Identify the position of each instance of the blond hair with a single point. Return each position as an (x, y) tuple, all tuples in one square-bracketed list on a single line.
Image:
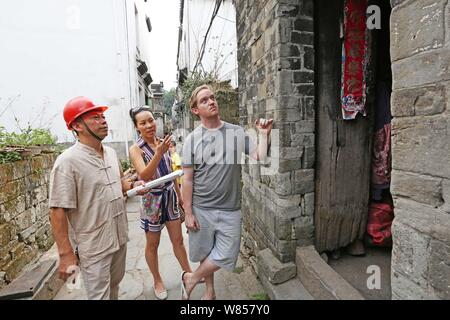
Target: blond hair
[(193, 98)]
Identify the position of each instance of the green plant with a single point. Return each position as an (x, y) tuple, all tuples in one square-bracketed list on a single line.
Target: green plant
[(42, 137), (238, 270), (194, 80), (26, 137), (9, 156), (260, 296), (126, 164)]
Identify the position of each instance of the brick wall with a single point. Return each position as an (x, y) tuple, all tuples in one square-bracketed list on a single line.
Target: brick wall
[(420, 53), (24, 215), (276, 80)]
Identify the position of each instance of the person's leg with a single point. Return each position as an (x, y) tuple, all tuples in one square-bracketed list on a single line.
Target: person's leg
[(205, 270), (210, 293), (151, 256), (117, 271), (176, 237), (97, 279)]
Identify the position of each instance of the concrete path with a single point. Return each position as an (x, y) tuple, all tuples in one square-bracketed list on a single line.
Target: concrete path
[(138, 283)]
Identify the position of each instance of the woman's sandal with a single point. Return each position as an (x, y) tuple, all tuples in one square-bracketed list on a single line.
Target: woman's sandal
[(184, 295)]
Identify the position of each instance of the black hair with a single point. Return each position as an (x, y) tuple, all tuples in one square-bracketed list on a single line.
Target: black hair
[(136, 110)]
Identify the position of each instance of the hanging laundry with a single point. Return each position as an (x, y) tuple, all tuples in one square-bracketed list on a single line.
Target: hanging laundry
[(355, 59), (382, 156)]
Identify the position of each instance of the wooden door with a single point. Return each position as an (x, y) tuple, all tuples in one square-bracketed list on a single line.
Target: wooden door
[(343, 148)]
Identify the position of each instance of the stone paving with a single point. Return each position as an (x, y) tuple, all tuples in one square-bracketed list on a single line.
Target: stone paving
[(138, 283)]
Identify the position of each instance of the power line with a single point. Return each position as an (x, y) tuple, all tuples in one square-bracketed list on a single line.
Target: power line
[(202, 48)]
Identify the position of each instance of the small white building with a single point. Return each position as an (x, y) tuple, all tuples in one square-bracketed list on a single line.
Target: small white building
[(206, 42), (220, 44), (54, 50)]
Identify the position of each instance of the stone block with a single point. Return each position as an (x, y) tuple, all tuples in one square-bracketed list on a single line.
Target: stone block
[(303, 77), (303, 181), (291, 153), (308, 58), (303, 37), (439, 268), (427, 138), (13, 268), (25, 220), (11, 190), (6, 173), (281, 183), (302, 24), (289, 165), (417, 27), (423, 189), (308, 108), (405, 289), (307, 204), (284, 250), (410, 253), (434, 68), (321, 281), (10, 209), (304, 126), (5, 234), (17, 250), (275, 271), (309, 157), (422, 219), (418, 101), (20, 169), (28, 235), (303, 140)]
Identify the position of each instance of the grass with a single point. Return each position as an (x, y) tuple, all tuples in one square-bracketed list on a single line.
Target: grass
[(238, 270), (260, 296)]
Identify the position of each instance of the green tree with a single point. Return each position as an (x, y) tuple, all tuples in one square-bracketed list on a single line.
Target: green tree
[(169, 98)]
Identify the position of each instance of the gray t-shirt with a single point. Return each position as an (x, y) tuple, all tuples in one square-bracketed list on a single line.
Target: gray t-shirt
[(216, 156)]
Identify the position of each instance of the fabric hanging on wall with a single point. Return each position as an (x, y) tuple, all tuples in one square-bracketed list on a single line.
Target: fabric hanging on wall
[(355, 58), (382, 157)]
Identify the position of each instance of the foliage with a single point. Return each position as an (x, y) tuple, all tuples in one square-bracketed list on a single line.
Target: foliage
[(9, 156), (169, 98), (26, 137), (260, 296), (225, 94), (126, 164), (194, 80)]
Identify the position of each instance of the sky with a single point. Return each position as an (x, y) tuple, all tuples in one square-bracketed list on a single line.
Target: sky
[(164, 17)]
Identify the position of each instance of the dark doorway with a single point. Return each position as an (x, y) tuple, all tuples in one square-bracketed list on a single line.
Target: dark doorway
[(344, 153)]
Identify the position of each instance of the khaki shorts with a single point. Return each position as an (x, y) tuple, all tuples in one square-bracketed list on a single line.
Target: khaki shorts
[(218, 239)]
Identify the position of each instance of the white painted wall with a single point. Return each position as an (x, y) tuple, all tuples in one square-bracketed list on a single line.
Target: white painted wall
[(221, 44), (53, 50)]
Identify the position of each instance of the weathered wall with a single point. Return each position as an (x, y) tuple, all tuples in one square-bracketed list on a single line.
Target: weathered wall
[(24, 215), (420, 52), (276, 80)]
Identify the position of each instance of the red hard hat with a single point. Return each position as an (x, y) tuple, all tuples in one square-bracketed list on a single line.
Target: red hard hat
[(78, 106)]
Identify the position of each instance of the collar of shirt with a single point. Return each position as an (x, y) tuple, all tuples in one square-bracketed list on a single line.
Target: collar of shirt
[(91, 151)]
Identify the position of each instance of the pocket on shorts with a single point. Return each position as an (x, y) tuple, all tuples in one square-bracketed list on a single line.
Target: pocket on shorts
[(201, 243)]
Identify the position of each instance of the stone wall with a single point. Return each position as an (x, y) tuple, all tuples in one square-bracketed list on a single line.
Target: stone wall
[(25, 229), (276, 80), (420, 53)]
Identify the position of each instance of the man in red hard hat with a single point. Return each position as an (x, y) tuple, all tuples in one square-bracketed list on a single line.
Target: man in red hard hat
[(86, 193)]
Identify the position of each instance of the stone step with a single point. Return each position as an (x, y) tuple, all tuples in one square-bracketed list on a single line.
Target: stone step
[(29, 282), (321, 281)]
